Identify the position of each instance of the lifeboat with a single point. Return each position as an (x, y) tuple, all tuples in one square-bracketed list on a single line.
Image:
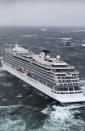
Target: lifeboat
[(24, 70), (29, 73), (20, 69)]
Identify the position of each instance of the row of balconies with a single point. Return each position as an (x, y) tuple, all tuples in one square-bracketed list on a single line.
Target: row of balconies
[(69, 84), (72, 77), (69, 81), (67, 92)]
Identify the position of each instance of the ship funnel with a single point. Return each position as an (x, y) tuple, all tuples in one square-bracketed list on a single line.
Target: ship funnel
[(48, 57), (58, 57), (45, 53)]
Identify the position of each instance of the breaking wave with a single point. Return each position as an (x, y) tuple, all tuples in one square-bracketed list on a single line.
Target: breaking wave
[(29, 35), (65, 39), (63, 118), (7, 122)]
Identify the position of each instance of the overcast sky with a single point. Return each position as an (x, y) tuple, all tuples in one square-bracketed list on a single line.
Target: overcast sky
[(42, 12)]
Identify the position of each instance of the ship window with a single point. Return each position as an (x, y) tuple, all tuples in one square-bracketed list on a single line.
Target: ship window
[(70, 83), (62, 80), (60, 75), (74, 76), (30, 57), (59, 65), (62, 89), (77, 88), (70, 89)]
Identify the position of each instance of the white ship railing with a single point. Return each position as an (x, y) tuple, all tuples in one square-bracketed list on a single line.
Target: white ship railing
[(68, 92)]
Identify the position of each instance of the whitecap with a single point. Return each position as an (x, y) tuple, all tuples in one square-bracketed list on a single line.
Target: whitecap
[(19, 95), (62, 118), (9, 84), (4, 99), (83, 45), (77, 30), (29, 96), (29, 35), (10, 107), (44, 30), (15, 125), (65, 39)]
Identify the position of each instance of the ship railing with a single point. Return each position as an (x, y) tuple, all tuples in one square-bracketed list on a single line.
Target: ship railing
[(71, 82), (67, 92), (66, 72), (63, 81)]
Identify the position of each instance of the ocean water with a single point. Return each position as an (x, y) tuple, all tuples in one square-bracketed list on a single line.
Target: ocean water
[(21, 108)]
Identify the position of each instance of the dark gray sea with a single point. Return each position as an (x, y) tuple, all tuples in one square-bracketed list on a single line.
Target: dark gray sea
[(21, 108)]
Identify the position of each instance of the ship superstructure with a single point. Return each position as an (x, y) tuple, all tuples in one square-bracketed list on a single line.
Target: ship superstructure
[(51, 76)]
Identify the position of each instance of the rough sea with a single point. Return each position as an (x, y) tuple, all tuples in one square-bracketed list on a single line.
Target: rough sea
[(21, 108)]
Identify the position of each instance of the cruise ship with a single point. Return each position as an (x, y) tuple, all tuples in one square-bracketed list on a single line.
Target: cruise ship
[(50, 76)]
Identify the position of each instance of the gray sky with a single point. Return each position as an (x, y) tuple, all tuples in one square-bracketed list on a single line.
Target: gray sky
[(42, 12)]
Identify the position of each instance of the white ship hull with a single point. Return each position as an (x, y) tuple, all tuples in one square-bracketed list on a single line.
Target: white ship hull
[(62, 98)]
